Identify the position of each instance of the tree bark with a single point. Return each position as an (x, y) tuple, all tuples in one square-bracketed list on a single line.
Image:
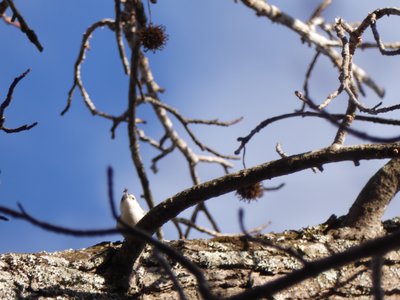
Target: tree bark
[(231, 264), (367, 211)]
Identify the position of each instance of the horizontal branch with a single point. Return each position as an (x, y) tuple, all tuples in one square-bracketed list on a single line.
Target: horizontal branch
[(172, 206), (320, 114)]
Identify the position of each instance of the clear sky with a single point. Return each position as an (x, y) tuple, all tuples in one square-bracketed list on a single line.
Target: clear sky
[(221, 61)]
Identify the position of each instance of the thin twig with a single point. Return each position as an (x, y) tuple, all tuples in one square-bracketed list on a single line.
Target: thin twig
[(272, 188), (118, 35), (345, 124), (24, 26), (7, 102), (132, 132), (214, 233), (319, 114), (10, 92), (308, 76), (185, 122), (77, 69), (323, 44), (318, 11), (279, 150), (158, 145), (357, 133), (3, 7)]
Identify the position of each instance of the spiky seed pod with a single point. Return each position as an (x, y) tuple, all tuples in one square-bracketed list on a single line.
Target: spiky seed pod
[(250, 192), (153, 37)]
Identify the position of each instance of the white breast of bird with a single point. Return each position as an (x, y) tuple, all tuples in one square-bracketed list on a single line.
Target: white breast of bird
[(131, 211)]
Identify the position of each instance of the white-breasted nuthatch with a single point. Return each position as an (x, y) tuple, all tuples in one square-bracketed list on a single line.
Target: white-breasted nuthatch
[(131, 211)]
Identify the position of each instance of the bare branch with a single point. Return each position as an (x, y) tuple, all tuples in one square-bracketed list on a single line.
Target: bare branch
[(359, 134), (279, 150), (8, 99), (7, 102), (132, 133), (118, 35), (19, 129), (308, 76), (322, 44), (324, 115), (172, 206), (317, 13), (201, 207), (273, 188), (24, 26), (369, 207), (214, 233), (185, 122), (3, 7), (77, 70), (199, 228), (161, 112)]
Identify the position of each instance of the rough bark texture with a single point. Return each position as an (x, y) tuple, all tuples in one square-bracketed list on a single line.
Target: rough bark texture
[(230, 263), (367, 211)]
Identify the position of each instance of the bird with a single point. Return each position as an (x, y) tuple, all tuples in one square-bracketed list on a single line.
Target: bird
[(131, 211)]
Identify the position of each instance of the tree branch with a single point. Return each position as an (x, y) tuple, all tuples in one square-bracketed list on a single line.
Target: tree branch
[(7, 102), (24, 26), (172, 206), (367, 211), (324, 45)]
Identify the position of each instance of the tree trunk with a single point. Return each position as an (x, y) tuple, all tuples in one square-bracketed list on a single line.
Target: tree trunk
[(231, 264)]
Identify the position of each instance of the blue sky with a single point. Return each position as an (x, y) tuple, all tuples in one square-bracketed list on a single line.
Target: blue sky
[(221, 61)]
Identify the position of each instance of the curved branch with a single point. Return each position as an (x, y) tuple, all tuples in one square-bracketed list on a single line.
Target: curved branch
[(367, 211), (323, 115), (7, 102), (77, 70), (172, 206)]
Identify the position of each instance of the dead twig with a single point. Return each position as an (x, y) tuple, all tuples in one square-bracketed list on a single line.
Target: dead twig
[(357, 133), (77, 70), (24, 25), (118, 35), (7, 102), (214, 233), (319, 114)]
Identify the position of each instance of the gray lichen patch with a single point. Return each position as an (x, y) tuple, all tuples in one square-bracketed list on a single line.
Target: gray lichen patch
[(230, 263)]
